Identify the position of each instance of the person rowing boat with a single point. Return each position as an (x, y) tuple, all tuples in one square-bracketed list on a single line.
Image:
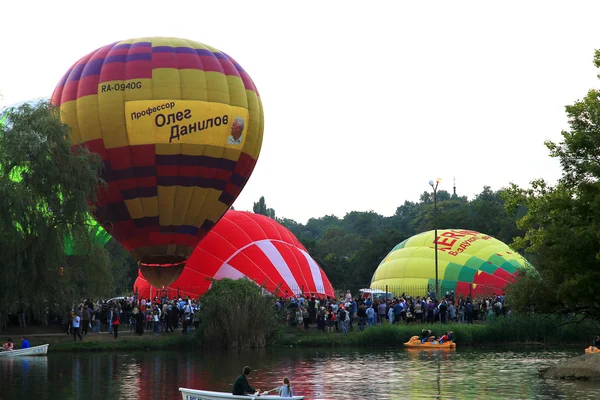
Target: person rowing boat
[(241, 386)]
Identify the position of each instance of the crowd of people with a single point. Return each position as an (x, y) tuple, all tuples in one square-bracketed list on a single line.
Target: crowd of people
[(160, 315), (342, 314)]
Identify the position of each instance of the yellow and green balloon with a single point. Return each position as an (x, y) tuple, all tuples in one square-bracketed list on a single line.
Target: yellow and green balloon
[(469, 263)]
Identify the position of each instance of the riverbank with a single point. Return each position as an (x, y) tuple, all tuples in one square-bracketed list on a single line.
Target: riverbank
[(504, 332), (585, 367), (517, 330), (59, 341)]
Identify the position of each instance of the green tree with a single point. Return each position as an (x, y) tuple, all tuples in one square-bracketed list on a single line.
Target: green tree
[(238, 314), (45, 187), (371, 253), (260, 207), (562, 223)]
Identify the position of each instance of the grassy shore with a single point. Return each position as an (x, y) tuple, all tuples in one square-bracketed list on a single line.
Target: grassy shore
[(520, 330), (106, 342), (528, 330)]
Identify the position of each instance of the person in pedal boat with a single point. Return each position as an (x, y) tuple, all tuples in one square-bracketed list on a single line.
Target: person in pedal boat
[(443, 338), (425, 333), (596, 342), (241, 386)]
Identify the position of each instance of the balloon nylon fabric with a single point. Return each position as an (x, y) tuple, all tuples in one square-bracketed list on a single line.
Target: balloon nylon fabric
[(131, 103), (253, 246), (466, 259)]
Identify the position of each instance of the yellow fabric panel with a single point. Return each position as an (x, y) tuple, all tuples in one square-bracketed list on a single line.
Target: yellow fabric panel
[(217, 210), (169, 149), (135, 208), (87, 117), (166, 83), (412, 263), (150, 206), (166, 199), (215, 151), (111, 114), (205, 46), (210, 204), (136, 40), (184, 121), (237, 91), (402, 284), (256, 126), (183, 196), (230, 154), (199, 197), (218, 91), (163, 41), (68, 115), (143, 93), (193, 85)]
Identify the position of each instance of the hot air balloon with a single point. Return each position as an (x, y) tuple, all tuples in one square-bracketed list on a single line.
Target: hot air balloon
[(98, 235), (251, 246), (469, 263), (179, 126)]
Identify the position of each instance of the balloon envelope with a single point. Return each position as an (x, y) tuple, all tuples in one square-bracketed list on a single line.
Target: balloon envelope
[(469, 263), (252, 246), (179, 126)]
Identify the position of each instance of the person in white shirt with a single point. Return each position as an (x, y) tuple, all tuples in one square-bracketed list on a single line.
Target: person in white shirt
[(76, 322)]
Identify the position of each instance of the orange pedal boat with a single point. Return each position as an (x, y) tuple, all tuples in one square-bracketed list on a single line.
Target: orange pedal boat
[(432, 343), (591, 350)]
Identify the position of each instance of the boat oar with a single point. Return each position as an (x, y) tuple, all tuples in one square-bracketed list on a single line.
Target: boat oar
[(269, 391)]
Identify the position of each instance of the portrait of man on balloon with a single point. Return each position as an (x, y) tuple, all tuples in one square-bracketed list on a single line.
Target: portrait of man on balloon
[(236, 131)]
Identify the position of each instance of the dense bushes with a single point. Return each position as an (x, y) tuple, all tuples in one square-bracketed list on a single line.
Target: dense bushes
[(237, 313)]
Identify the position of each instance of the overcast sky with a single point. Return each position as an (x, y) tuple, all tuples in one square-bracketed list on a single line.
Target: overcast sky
[(364, 102)]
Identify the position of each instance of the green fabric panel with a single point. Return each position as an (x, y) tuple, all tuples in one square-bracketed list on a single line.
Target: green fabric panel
[(474, 262), (496, 260), (509, 267), (489, 268), (467, 275), (452, 272)]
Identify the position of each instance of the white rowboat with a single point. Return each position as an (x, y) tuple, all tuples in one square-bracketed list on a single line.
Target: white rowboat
[(192, 394), (32, 351)]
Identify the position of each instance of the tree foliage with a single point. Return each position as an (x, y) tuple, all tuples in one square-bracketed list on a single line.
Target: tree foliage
[(349, 249), (237, 314), (562, 222), (45, 187), (260, 207)]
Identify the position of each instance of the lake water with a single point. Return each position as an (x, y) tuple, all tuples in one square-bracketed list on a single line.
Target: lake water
[(316, 373)]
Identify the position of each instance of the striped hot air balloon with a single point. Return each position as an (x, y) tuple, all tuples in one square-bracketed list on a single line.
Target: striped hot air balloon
[(252, 246), (469, 263), (179, 125)]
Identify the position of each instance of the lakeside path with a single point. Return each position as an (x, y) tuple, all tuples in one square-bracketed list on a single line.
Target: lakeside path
[(57, 336)]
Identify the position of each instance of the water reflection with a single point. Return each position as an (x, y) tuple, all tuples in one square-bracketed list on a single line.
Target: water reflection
[(317, 373)]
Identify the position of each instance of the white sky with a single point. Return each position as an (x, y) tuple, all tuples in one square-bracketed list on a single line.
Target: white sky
[(364, 102)]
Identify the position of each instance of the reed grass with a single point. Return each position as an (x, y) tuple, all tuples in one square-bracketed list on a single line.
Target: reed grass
[(524, 330)]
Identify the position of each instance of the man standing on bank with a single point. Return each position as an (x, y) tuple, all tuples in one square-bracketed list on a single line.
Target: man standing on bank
[(241, 386)]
